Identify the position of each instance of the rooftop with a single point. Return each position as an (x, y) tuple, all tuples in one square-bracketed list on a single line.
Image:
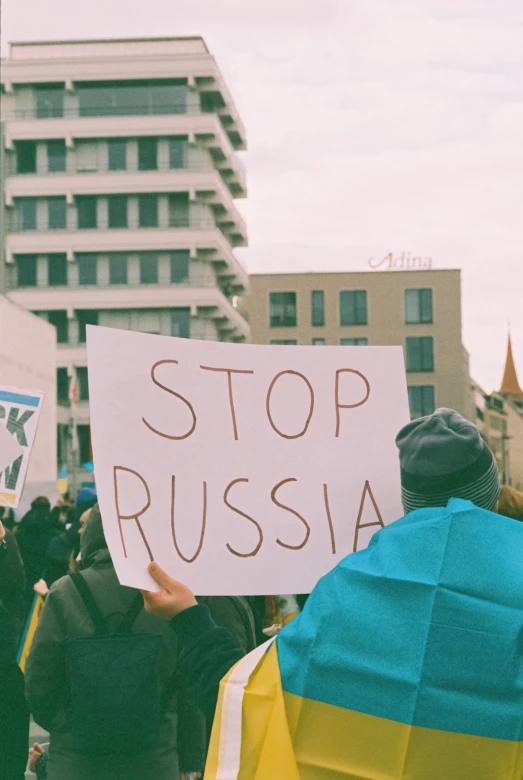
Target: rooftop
[(31, 50)]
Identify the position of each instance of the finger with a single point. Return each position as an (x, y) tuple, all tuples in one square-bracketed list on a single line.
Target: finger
[(163, 579)]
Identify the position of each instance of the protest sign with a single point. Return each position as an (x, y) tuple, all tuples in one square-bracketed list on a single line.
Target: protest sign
[(9, 448), (19, 415), (242, 469)]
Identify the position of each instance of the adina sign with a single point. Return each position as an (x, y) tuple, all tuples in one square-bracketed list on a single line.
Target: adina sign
[(403, 262), (242, 469)]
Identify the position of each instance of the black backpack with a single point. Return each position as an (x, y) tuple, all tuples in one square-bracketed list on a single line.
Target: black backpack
[(116, 701)]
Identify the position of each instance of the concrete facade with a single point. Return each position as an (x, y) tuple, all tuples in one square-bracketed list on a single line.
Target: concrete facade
[(376, 310), (120, 176)]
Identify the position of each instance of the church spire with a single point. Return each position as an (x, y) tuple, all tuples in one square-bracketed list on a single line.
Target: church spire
[(510, 385)]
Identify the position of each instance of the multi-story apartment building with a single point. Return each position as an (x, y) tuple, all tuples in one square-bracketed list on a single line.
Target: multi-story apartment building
[(120, 174), (419, 310)]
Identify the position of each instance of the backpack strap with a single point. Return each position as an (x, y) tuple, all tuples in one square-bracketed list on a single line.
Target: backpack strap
[(131, 614), (92, 607)]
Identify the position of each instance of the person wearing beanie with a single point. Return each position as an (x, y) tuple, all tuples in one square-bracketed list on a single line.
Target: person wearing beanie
[(443, 456), (411, 646)]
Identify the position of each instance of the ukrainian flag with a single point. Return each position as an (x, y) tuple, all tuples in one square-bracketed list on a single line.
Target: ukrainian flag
[(406, 664), (63, 480)]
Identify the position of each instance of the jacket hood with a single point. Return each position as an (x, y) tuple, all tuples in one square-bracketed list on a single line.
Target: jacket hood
[(92, 538)]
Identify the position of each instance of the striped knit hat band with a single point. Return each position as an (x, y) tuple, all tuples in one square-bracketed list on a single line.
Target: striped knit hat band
[(484, 492)]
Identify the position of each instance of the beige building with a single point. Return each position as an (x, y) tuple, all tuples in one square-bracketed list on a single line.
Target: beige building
[(419, 310)]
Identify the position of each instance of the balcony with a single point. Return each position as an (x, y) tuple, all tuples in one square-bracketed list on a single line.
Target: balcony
[(27, 124), (205, 299), (222, 220), (205, 186), (191, 173), (202, 237)]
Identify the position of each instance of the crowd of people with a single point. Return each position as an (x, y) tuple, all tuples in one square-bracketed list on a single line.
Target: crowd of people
[(126, 683)]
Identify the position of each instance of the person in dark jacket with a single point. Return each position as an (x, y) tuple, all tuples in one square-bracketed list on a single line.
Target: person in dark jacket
[(33, 537), (181, 741), (12, 577), (67, 542), (14, 715)]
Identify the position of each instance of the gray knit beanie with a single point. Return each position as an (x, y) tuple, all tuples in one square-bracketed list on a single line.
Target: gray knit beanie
[(443, 456)]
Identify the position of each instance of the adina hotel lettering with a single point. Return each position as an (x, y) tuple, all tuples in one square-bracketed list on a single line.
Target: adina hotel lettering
[(402, 262)]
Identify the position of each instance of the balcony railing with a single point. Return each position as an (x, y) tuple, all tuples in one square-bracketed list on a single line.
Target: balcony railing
[(88, 112), (175, 109), (226, 171), (18, 225), (228, 289)]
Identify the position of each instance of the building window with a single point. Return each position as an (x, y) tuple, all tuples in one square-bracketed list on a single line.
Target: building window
[(180, 260), (57, 213), (62, 385), (353, 307), (361, 342), (148, 268), (56, 156), (179, 209), (117, 154), (418, 306), (284, 342), (85, 317), (282, 309), (49, 100), (117, 211), (181, 323), (27, 207), (61, 323), (420, 353), (132, 98), (57, 270), (26, 275), (25, 156), (421, 400), (83, 383), (318, 307), (87, 211), (87, 269), (84, 442), (177, 152), (117, 269), (318, 342), (147, 154), (148, 210)]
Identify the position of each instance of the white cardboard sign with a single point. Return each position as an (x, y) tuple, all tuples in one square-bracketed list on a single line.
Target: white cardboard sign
[(242, 469), (19, 415)]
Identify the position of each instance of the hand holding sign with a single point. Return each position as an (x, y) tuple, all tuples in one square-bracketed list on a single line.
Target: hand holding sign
[(171, 600), (243, 469)]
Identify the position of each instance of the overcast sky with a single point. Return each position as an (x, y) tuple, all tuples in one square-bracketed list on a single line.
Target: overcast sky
[(373, 126)]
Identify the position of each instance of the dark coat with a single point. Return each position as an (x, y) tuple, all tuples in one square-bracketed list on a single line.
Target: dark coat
[(33, 537), (47, 687), (14, 716), (12, 579)]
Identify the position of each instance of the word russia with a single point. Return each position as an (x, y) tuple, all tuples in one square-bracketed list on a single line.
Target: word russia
[(242, 469)]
